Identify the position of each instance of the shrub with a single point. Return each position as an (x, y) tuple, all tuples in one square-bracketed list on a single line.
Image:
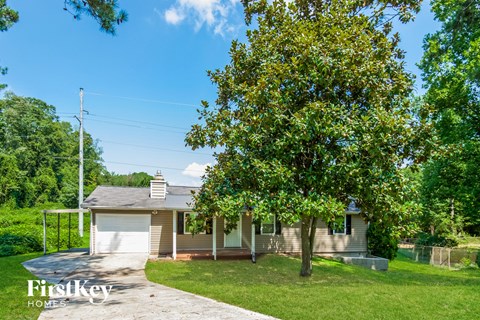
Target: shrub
[(22, 230), (11, 244), (382, 240)]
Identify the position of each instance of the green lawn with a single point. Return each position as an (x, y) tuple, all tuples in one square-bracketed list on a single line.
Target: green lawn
[(335, 291), (13, 286), (29, 222)]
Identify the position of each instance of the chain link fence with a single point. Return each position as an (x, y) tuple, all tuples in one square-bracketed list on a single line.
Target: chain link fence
[(440, 256)]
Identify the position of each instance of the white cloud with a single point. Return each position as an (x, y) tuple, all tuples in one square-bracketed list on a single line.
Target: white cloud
[(195, 170), (173, 16), (213, 13)]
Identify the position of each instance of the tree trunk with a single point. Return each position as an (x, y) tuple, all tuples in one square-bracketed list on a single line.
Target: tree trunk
[(306, 270), (452, 216), (313, 229)]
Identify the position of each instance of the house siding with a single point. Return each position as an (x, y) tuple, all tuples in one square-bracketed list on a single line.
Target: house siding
[(196, 242), (161, 236), (246, 232), (161, 233), (246, 238), (220, 233), (290, 239)]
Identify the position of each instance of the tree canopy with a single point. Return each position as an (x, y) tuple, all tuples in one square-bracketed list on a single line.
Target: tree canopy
[(39, 155), (451, 72), (312, 112), (105, 12), (136, 179)]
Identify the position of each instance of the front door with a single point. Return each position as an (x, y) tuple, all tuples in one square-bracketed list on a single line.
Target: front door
[(234, 238)]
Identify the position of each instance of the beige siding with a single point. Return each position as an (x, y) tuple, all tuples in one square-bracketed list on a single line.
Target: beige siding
[(246, 232), (356, 242), (161, 233), (220, 233), (246, 237), (161, 236), (196, 242), (290, 239)]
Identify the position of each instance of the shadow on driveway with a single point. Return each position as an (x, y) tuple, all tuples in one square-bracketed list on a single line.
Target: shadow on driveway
[(132, 296)]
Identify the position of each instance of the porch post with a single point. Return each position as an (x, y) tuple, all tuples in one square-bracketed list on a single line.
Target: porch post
[(252, 226), (58, 232), (91, 231), (174, 252), (44, 232), (214, 238)]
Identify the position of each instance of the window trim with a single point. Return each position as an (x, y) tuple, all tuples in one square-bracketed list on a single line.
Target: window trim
[(185, 229), (274, 220), (344, 227)]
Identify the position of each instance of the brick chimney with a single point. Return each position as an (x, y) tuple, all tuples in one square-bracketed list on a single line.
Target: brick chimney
[(158, 186)]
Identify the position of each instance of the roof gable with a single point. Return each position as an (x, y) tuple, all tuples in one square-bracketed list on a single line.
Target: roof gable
[(112, 197)]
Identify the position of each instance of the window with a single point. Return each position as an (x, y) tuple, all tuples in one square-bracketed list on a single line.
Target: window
[(182, 224), (270, 226), (341, 227)]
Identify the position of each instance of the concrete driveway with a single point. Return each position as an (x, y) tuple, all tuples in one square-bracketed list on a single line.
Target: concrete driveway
[(132, 296)]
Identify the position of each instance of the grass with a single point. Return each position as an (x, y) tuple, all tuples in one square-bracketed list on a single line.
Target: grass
[(13, 284), (408, 290), (470, 242), (29, 222)]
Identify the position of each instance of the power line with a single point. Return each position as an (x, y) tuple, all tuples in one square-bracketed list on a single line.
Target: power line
[(89, 117), (144, 100), (152, 147), (136, 121), (135, 126), (151, 166), (130, 164)]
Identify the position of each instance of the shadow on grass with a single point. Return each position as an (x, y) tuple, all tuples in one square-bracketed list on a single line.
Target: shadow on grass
[(284, 270)]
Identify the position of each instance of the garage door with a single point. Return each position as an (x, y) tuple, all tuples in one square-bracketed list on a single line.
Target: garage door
[(118, 233)]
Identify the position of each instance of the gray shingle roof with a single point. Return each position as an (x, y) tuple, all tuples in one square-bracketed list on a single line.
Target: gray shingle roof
[(178, 197)]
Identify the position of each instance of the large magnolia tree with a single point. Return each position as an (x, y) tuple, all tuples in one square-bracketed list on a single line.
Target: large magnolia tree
[(312, 111)]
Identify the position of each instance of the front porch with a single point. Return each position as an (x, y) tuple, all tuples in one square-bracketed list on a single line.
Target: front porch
[(238, 244), (222, 254)]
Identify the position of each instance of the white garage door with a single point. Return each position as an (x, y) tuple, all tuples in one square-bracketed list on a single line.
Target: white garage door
[(117, 233)]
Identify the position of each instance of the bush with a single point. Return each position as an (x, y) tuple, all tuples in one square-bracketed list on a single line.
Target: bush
[(382, 240), (11, 244), (27, 224)]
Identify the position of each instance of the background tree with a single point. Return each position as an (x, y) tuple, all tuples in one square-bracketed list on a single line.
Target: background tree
[(311, 111), (451, 72), (136, 179), (8, 17), (39, 155), (105, 12)]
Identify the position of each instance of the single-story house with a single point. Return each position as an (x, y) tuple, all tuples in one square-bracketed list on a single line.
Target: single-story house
[(152, 220)]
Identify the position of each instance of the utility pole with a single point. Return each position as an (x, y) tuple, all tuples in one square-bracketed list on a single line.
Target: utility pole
[(80, 167)]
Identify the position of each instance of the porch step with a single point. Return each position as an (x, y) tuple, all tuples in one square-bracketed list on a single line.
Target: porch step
[(206, 255)]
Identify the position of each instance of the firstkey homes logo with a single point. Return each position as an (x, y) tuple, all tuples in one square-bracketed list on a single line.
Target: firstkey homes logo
[(97, 294)]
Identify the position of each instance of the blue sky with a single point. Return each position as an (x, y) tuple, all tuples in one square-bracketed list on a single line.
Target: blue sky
[(141, 86)]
